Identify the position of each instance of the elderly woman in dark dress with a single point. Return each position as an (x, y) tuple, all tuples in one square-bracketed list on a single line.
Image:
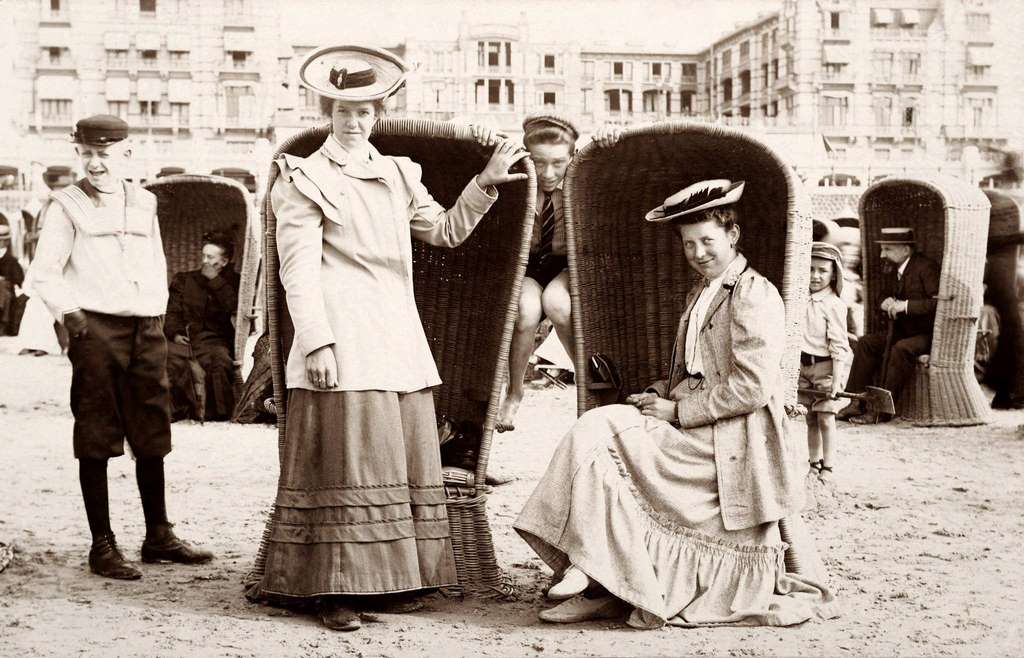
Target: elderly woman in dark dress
[(200, 322)]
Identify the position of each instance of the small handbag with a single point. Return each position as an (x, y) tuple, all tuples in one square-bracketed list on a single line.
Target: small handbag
[(605, 377)]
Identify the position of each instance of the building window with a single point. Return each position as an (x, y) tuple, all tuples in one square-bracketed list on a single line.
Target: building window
[(834, 70), (744, 83), (689, 70), (493, 53), (147, 7), (494, 92), (238, 102), (549, 63), (727, 90), (118, 109), (55, 108), (833, 20), (239, 59), (775, 69), (686, 100), (179, 60), (911, 64), (980, 111), (149, 59), (726, 60), (510, 92), (774, 109), (834, 110), (668, 102), (117, 58), (978, 22), (180, 113), (744, 50), (908, 116), (55, 6), (650, 101), (149, 108), (656, 70), (745, 111), (881, 63), (883, 111), (548, 98), (618, 100), (617, 70)]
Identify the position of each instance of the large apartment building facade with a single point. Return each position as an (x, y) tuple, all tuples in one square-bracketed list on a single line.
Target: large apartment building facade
[(847, 90)]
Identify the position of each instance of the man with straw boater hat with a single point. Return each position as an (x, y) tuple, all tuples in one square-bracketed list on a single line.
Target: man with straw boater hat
[(100, 269), (910, 290)]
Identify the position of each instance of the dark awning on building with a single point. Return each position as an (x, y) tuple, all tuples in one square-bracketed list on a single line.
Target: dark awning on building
[(58, 177), (240, 175), (170, 171)]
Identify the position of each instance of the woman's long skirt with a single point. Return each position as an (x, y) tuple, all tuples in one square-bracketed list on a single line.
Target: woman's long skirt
[(633, 502), (360, 506)]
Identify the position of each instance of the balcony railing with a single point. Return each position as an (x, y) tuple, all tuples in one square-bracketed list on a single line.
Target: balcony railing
[(842, 75), (902, 33), (62, 62), (839, 33)]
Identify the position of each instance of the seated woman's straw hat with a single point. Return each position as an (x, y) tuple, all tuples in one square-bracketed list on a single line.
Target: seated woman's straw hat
[(353, 73)]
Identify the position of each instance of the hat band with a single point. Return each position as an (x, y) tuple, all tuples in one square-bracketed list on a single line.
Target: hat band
[(698, 198), (342, 79)]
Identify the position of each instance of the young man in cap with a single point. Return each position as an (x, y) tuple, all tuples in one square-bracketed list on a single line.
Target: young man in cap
[(551, 142), (100, 269), (910, 302)]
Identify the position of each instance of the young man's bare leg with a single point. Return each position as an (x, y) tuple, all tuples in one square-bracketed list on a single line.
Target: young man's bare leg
[(557, 306), (520, 351)]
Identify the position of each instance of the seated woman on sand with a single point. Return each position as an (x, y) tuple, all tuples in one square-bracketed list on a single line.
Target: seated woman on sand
[(668, 506)]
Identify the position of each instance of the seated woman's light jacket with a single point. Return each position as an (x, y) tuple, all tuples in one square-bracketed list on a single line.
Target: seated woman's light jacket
[(742, 341), (344, 236)]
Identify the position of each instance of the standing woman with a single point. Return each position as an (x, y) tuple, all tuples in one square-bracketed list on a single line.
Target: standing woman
[(667, 508), (361, 518)]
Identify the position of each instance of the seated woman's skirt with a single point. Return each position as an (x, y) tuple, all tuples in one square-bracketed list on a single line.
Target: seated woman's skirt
[(360, 505), (633, 502), (214, 356)]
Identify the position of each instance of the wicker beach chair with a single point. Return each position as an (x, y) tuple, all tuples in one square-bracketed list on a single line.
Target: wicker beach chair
[(950, 221), (189, 206), (1005, 235), (629, 278), (467, 299)]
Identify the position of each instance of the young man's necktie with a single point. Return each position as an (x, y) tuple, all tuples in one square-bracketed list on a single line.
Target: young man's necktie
[(547, 227)]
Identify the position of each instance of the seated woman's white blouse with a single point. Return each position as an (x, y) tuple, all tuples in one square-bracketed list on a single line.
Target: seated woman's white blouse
[(344, 238)]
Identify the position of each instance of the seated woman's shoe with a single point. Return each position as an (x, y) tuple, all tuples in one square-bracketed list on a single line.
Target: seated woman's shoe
[(339, 617), (162, 545), (106, 560), (580, 608), (573, 582)]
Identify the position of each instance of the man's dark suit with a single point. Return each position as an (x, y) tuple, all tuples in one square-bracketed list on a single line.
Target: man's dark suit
[(912, 331)]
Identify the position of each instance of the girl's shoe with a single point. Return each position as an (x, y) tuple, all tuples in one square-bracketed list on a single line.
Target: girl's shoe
[(815, 468), (825, 473)]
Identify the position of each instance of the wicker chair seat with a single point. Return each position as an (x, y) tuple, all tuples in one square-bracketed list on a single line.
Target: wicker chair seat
[(467, 298), (950, 220), (629, 278)]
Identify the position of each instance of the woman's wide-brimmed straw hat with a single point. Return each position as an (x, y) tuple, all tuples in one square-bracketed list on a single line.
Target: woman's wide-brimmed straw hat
[(694, 198), (353, 73)]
